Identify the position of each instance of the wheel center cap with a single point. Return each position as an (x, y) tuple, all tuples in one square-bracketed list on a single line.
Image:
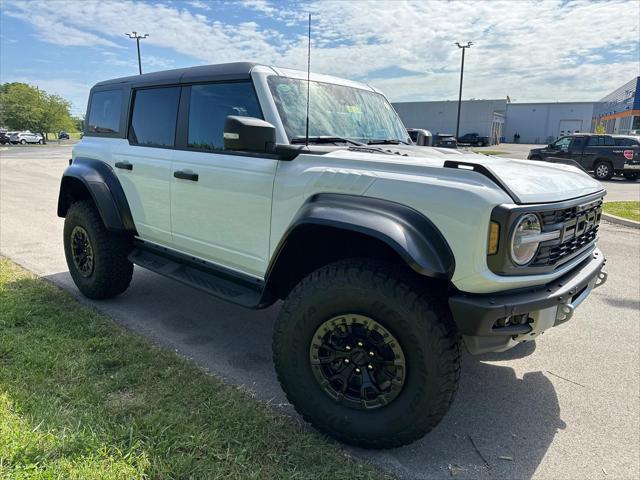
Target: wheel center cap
[(359, 358)]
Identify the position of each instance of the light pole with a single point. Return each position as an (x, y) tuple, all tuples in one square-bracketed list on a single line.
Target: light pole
[(463, 47), (138, 37)]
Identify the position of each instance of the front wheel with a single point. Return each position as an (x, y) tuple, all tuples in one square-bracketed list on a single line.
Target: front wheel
[(365, 356), (603, 171), (97, 258), (23, 142), (40, 142)]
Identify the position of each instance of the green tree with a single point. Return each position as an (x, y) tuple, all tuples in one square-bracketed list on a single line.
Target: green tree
[(24, 107)]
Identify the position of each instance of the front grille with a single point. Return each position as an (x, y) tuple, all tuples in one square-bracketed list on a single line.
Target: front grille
[(578, 230)]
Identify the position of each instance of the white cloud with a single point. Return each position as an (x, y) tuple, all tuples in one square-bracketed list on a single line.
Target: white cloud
[(199, 4), (556, 49)]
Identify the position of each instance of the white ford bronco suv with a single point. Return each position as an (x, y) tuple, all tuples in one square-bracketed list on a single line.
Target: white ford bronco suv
[(388, 257)]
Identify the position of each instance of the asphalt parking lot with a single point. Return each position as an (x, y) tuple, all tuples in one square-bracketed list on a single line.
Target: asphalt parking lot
[(567, 406)]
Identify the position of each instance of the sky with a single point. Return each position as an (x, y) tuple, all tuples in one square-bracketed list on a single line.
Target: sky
[(532, 51)]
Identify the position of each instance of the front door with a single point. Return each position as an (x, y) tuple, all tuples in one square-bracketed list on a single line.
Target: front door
[(559, 148), (221, 201)]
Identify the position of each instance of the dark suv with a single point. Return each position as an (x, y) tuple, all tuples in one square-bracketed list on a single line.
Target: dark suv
[(604, 155), (474, 139)]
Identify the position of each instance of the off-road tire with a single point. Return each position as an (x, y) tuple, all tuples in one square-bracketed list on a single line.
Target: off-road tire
[(112, 271), (416, 316), (631, 176), (603, 170)]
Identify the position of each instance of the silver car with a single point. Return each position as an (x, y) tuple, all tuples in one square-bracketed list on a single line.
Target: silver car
[(26, 137)]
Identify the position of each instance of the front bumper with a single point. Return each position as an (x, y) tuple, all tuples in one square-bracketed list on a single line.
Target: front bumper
[(497, 322)]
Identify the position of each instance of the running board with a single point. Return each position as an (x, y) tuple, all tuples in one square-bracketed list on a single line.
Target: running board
[(205, 279)]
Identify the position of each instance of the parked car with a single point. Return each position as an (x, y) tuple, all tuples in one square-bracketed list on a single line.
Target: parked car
[(445, 140), (474, 139), (26, 137), (388, 257), (63, 136), (604, 155), (4, 138)]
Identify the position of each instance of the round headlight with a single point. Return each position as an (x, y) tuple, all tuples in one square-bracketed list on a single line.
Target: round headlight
[(525, 239)]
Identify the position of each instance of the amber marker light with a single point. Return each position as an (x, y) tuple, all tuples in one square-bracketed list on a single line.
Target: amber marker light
[(494, 234)]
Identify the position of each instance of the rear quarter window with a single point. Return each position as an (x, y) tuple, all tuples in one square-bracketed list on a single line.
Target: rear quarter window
[(105, 112)]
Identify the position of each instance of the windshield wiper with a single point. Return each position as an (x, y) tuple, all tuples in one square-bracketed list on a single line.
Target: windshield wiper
[(387, 141), (325, 139)]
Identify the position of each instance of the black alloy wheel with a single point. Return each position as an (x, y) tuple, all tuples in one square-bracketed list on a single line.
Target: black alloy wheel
[(82, 251), (357, 362)]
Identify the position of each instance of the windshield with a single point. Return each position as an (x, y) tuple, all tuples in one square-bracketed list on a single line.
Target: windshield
[(335, 111)]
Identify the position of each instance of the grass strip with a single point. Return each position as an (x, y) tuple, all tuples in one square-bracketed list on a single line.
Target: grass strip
[(82, 398), (629, 210)]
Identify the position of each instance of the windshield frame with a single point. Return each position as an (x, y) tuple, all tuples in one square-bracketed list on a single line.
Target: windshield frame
[(393, 114)]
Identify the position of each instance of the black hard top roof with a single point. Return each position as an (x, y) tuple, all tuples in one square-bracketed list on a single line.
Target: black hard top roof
[(204, 73)]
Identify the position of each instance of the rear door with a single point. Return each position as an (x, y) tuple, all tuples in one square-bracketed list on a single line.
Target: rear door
[(576, 148), (143, 164), (220, 200)]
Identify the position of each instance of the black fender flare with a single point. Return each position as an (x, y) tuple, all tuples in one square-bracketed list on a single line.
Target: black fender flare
[(408, 232), (99, 179)]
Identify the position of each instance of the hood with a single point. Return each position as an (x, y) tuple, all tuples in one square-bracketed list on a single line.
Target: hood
[(529, 181), (525, 181)]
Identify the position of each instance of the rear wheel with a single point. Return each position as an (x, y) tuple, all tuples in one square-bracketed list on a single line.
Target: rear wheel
[(631, 175), (365, 356), (23, 142), (97, 258), (603, 171)]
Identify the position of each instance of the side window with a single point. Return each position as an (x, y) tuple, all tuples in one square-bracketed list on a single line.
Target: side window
[(563, 143), (608, 141), (104, 112), (153, 122), (595, 141), (578, 143), (211, 104)]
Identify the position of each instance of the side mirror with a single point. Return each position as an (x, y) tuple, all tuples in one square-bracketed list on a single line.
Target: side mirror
[(249, 134)]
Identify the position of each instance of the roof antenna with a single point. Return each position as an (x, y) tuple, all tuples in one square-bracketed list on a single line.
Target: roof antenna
[(306, 142)]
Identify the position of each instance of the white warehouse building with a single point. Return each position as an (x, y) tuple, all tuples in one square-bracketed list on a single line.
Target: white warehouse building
[(499, 119), (544, 122), (484, 117)]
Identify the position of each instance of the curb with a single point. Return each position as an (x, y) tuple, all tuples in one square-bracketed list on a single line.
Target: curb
[(620, 220)]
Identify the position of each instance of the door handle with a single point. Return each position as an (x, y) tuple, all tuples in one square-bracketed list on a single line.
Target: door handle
[(186, 175), (124, 165)]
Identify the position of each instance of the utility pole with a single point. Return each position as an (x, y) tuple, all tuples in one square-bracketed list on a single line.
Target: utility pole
[(463, 47), (138, 37)]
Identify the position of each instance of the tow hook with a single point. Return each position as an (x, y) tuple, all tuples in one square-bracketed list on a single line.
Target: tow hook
[(601, 279), (565, 311)]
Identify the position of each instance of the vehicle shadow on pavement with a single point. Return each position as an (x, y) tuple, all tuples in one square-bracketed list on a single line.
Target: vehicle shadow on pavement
[(499, 426)]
